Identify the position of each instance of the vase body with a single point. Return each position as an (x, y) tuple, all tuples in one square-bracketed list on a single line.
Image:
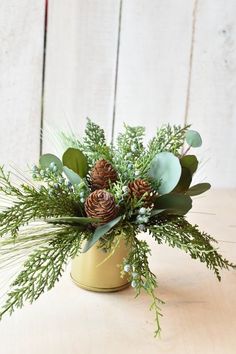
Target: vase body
[(99, 271)]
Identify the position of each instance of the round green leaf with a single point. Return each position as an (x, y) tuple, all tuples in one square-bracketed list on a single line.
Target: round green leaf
[(75, 160), (190, 162), (46, 159), (193, 138), (166, 169)]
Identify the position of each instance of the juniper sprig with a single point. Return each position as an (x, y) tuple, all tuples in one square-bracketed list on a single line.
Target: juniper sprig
[(42, 269)]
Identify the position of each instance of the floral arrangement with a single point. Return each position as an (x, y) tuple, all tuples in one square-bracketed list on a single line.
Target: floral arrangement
[(96, 194)]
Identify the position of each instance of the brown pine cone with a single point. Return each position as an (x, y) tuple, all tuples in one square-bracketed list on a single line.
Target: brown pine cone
[(101, 204), (102, 174), (138, 188)]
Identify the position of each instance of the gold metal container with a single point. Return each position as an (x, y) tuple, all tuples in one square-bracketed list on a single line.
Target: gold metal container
[(99, 271)]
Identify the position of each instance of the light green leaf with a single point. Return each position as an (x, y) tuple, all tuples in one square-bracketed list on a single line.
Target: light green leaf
[(165, 168), (190, 162), (156, 212), (72, 176), (174, 204), (46, 159), (101, 231), (72, 220), (198, 189), (75, 160), (193, 138)]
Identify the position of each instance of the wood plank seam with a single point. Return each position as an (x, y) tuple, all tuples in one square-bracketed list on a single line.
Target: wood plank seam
[(191, 54), (116, 71), (43, 76)]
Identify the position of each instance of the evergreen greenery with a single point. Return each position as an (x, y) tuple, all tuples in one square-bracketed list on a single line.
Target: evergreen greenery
[(29, 202), (43, 268), (141, 276), (178, 232), (43, 221)]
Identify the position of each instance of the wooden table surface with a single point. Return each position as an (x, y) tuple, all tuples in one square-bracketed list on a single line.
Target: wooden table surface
[(199, 314)]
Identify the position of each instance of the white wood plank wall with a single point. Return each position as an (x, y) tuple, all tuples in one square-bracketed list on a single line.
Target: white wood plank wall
[(21, 59), (144, 62), (212, 105), (81, 63), (153, 62)]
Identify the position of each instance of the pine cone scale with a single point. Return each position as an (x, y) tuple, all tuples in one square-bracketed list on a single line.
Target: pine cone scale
[(102, 174), (101, 204), (140, 188)]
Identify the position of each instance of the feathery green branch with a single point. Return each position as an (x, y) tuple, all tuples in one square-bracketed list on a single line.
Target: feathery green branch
[(42, 269), (178, 232)]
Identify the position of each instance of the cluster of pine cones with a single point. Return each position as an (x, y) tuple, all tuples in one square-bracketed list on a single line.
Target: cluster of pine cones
[(100, 203)]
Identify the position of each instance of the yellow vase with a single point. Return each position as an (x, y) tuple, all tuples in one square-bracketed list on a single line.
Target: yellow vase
[(97, 270)]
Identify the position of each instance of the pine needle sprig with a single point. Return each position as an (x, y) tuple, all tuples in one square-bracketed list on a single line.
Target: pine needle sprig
[(168, 138), (43, 269), (94, 143), (70, 140), (29, 238), (178, 232), (130, 142), (29, 203), (143, 278), (129, 150)]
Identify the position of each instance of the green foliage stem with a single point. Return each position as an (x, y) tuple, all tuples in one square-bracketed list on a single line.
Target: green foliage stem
[(168, 138), (29, 203), (42, 269), (178, 232), (144, 279), (93, 145)]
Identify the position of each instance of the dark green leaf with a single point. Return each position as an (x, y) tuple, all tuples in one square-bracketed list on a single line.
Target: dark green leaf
[(46, 159), (193, 138), (72, 176), (70, 220), (198, 189), (190, 162), (165, 168), (184, 182), (75, 160), (175, 204), (101, 231)]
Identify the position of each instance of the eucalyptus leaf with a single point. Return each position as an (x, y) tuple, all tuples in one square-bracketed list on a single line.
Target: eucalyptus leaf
[(73, 177), (193, 138), (198, 189), (190, 162), (72, 220), (166, 169), (156, 212), (46, 159), (174, 204), (184, 181), (101, 231), (75, 160)]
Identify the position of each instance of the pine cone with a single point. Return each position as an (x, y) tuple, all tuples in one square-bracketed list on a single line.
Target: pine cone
[(102, 174), (101, 204), (138, 188)]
